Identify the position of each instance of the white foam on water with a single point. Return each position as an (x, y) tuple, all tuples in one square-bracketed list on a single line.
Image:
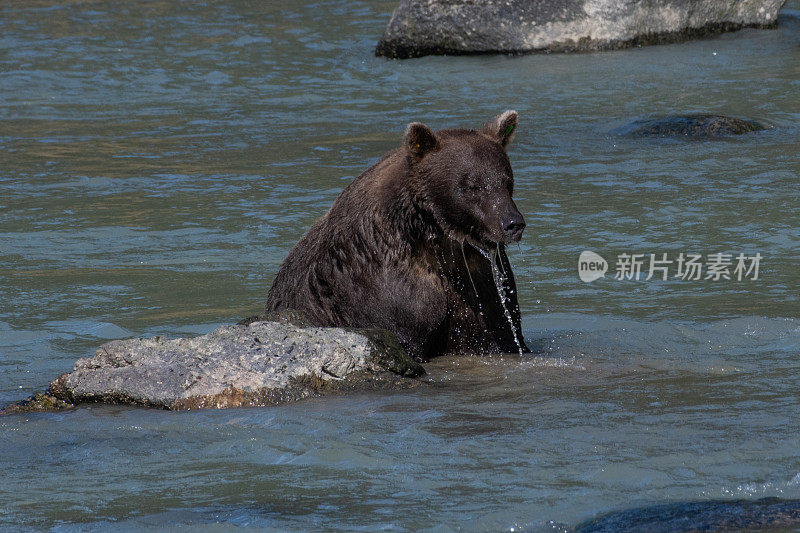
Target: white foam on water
[(782, 488), (571, 363)]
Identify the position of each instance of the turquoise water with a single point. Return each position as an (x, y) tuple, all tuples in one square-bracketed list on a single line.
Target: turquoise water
[(158, 160)]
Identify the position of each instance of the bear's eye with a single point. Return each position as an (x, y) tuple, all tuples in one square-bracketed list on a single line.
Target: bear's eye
[(471, 183)]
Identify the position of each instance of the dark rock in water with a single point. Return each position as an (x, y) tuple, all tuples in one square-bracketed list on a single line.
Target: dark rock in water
[(419, 28), (714, 515), (263, 363), (698, 125)]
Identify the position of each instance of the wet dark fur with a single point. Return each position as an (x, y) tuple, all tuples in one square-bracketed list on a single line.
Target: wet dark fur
[(387, 254)]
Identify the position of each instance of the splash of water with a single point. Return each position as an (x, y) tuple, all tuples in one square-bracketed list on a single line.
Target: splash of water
[(500, 278), (497, 254), (477, 299)]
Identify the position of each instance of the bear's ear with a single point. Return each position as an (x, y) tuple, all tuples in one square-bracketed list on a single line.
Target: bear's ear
[(502, 127), (419, 139)]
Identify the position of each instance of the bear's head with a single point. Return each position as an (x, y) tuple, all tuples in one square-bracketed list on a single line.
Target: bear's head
[(463, 179)]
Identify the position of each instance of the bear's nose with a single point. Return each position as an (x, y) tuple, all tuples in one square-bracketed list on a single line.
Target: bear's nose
[(513, 226)]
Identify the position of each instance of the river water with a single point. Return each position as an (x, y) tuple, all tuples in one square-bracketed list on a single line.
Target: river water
[(158, 159)]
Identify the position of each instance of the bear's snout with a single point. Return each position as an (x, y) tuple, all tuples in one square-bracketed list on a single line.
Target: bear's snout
[(513, 225)]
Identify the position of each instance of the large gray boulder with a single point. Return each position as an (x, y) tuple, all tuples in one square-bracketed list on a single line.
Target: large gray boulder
[(262, 363), (423, 27)]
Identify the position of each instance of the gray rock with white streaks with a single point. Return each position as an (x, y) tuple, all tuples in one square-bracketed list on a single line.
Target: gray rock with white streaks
[(259, 364), (423, 27)]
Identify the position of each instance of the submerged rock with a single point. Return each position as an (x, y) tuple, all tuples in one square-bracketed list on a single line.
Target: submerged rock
[(696, 125), (423, 27), (714, 515), (262, 363)]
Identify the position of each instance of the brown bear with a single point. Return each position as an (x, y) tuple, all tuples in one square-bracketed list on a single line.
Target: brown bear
[(416, 245)]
